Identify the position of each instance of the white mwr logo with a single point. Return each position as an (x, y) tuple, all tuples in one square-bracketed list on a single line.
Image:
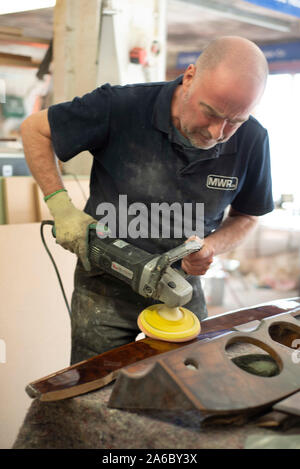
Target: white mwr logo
[(224, 183)]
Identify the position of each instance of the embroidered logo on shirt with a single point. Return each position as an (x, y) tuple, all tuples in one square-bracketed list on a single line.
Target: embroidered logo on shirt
[(224, 183)]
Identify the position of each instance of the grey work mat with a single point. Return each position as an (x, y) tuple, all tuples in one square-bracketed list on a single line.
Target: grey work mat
[(85, 422)]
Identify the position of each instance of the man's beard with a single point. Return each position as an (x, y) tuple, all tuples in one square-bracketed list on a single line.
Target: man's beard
[(196, 140)]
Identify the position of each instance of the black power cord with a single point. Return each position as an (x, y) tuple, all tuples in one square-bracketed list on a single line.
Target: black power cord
[(50, 222)]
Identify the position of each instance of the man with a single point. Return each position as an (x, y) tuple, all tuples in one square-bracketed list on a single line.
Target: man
[(190, 140)]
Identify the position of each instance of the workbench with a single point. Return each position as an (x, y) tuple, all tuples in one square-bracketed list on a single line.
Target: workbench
[(86, 422)]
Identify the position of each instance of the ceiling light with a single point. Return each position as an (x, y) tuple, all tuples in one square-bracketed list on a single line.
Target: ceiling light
[(14, 6)]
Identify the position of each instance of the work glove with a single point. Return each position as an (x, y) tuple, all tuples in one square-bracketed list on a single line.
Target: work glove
[(71, 225)]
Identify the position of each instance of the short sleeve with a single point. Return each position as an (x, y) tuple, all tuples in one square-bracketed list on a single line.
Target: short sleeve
[(81, 124), (255, 197)]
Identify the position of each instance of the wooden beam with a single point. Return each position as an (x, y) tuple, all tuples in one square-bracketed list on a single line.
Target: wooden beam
[(23, 40), (75, 45), (14, 60), (76, 32), (11, 31)]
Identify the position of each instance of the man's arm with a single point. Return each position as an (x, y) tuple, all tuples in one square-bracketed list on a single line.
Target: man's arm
[(230, 234), (36, 137), (71, 224)]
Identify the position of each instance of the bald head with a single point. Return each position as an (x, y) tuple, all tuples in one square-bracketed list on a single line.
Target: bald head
[(236, 54), (220, 91)]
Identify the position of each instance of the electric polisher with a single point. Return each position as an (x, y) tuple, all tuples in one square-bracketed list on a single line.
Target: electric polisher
[(151, 276)]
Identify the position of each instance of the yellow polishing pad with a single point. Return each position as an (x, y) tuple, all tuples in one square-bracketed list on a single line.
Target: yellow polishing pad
[(169, 324)]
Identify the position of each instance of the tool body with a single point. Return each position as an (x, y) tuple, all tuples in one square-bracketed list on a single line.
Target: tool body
[(151, 276)]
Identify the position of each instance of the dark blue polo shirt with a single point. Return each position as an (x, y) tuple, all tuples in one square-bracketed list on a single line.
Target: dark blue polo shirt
[(136, 152)]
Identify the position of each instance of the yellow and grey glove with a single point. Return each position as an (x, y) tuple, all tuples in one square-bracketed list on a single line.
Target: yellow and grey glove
[(71, 225)]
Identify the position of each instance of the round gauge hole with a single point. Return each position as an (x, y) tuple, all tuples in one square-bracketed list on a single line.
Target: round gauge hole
[(191, 364), (253, 358), (285, 334)]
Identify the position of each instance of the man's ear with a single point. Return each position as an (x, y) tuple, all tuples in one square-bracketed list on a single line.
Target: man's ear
[(188, 76)]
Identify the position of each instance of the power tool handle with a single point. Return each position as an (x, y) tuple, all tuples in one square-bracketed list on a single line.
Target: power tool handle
[(92, 226), (182, 272), (189, 247)]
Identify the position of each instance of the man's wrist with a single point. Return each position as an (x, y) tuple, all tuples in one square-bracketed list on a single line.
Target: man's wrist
[(47, 197), (209, 246)]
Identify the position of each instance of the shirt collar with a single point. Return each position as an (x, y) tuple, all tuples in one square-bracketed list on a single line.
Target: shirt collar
[(230, 147), (161, 117)]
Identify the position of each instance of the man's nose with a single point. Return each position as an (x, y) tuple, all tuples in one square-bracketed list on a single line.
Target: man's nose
[(217, 129)]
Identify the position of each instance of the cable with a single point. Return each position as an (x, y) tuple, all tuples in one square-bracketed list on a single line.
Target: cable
[(50, 222)]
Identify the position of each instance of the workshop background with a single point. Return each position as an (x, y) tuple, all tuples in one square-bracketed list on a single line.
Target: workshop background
[(54, 51)]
